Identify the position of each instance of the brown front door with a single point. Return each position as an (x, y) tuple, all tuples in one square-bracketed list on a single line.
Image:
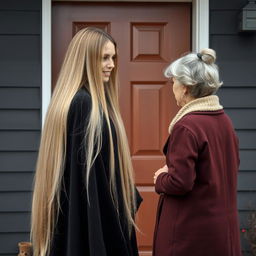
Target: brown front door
[(149, 36)]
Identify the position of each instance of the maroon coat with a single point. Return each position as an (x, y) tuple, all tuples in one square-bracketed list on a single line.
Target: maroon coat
[(197, 211)]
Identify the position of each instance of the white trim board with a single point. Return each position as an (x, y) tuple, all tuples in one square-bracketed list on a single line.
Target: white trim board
[(200, 37), (46, 56)]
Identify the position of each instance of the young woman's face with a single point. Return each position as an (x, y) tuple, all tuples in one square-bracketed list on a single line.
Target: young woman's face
[(109, 54)]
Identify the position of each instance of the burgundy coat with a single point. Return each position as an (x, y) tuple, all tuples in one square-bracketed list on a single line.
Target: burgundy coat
[(197, 211)]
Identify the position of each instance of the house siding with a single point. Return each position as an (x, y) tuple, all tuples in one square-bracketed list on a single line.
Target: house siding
[(20, 107), (236, 57), (20, 116)]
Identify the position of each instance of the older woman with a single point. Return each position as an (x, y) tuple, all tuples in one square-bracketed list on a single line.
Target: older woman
[(197, 211)]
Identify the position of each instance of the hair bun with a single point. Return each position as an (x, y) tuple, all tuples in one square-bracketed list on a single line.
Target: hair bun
[(208, 55)]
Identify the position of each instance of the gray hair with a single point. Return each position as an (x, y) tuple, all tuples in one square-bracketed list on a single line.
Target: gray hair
[(196, 71)]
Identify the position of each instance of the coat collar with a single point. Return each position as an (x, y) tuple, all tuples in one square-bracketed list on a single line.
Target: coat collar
[(204, 104)]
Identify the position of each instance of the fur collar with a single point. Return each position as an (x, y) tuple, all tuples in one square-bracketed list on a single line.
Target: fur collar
[(208, 103)]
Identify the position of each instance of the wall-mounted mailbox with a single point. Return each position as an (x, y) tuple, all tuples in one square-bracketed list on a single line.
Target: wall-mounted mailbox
[(247, 17)]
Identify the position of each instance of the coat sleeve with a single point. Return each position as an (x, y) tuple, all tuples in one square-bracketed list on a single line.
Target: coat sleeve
[(181, 160)]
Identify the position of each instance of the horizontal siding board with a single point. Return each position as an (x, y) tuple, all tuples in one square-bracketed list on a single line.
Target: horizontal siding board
[(242, 118), (27, 73), (21, 5), (8, 254), (15, 202), (237, 97), (29, 22), (235, 48), (20, 119), (232, 71), (244, 84), (16, 181), (224, 22), (227, 4), (17, 161), (247, 139), (235, 61), (19, 140), (246, 200), (15, 222), (13, 98), (9, 242), (248, 160), (247, 181), (20, 47)]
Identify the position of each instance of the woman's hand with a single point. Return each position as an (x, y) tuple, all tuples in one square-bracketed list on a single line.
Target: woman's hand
[(163, 169)]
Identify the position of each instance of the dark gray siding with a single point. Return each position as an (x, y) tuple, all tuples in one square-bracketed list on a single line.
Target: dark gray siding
[(237, 61), (20, 117), (20, 103)]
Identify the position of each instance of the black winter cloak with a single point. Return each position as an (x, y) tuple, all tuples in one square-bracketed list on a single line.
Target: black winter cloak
[(94, 228)]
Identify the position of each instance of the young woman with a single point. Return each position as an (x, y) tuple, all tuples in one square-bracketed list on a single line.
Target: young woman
[(84, 199), (197, 212)]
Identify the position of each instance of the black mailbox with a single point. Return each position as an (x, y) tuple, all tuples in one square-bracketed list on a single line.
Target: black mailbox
[(248, 17)]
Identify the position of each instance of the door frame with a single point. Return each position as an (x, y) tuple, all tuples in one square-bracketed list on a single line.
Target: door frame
[(200, 38)]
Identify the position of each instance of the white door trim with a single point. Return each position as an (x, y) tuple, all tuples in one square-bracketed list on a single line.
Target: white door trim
[(200, 38), (46, 56)]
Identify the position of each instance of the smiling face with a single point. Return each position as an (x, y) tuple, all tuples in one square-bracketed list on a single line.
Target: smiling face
[(108, 60)]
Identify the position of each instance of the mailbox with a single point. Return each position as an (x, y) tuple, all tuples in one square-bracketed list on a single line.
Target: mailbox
[(247, 17)]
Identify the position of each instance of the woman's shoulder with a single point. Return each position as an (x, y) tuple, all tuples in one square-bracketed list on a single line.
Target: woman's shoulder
[(199, 118), (81, 96), (80, 104)]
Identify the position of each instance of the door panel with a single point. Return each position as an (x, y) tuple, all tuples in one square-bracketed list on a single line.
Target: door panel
[(149, 36)]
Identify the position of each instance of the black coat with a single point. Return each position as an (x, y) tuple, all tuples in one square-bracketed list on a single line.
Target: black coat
[(91, 228)]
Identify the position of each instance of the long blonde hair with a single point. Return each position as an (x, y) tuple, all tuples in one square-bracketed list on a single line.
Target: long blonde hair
[(82, 65)]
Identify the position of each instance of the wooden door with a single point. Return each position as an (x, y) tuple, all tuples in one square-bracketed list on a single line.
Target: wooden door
[(149, 36)]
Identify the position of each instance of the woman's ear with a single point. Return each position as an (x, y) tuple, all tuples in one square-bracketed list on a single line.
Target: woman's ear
[(185, 89)]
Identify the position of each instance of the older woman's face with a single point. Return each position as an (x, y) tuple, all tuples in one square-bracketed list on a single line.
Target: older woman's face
[(178, 91), (109, 54)]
